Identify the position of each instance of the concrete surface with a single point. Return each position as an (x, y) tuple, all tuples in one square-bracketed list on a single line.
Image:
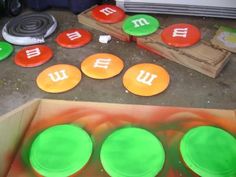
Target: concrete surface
[(188, 88)]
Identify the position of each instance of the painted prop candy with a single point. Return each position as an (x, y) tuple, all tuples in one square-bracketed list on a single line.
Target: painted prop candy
[(102, 66), (59, 78), (132, 152), (140, 25), (6, 50), (108, 14), (61, 150), (146, 79), (209, 151), (73, 38), (181, 35), (33, 56)]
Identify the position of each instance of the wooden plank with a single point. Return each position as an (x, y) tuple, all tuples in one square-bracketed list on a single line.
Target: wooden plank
[(201, 57), (12, 128), (114, 30)]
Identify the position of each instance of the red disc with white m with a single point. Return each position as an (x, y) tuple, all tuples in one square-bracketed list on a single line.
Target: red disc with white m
[(73, 38), (33, 56), (108, 13), (181, 35)]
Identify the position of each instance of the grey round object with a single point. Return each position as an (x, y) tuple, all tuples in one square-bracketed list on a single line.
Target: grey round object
[(28, 29)]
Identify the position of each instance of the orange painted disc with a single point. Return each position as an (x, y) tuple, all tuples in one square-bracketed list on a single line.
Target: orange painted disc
[(33, 56), (181, 35), (73, 38), (102, 66), (108, 13), (59, 78), (146, 79)]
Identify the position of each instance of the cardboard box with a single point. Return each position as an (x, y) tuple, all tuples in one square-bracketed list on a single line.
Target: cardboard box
[(99, 120)]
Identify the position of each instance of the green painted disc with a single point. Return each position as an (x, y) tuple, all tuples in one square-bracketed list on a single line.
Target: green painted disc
[(209, 152), (132, 152), (6, 50), (140, 25), (60, 151)]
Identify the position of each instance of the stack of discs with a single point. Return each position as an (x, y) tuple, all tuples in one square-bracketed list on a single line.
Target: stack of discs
[(29, 29), (62, 150), (132, 152), (209, 151)]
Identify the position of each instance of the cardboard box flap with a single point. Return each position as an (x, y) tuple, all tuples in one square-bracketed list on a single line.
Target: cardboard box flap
[(12, 127)]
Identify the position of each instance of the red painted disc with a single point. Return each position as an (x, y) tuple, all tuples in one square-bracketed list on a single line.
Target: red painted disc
[(108, 13), (181, 35), (73, 38), (33, 56)]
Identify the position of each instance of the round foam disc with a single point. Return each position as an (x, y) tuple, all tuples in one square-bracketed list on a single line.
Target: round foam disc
[(108, 13), (73, 38), (6, 50), (132, 152), (102, 66), (181, 35), (33, 56), (59, 78), (209, 151), (61, 150), (140, 25), (146, 79)]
